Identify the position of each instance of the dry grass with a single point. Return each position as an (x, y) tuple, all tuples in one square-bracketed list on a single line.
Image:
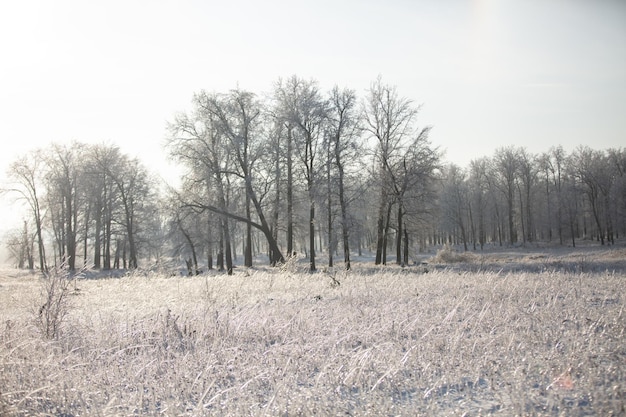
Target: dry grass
[(384, 342), (447, 255)]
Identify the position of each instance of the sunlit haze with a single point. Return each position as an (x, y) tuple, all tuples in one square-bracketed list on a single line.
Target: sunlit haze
[(487, 73)]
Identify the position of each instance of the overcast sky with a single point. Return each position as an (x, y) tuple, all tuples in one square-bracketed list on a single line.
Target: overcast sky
[(488, 73)]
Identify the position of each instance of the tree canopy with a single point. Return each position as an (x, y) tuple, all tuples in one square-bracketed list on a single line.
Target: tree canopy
[(296, 171)]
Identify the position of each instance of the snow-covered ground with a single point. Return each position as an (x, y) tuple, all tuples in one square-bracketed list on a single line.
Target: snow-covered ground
[(524, 331)]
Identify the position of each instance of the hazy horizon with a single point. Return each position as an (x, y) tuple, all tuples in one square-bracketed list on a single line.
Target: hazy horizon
[(487, 73)]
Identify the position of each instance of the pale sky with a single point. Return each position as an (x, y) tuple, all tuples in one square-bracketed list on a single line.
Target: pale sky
[(488, 73)]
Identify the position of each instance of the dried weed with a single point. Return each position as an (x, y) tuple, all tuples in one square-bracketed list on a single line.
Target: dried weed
[(384, 342)]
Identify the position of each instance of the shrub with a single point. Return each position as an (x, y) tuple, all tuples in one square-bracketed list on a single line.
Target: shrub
[(447, 255), (53, 305), (291, 264)]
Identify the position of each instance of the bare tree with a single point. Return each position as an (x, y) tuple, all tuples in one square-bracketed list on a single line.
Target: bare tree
[(20, 244), (527, 171), (343, 133), (104, 200), (285, 129), (65, 171), (389, 119), (478, 184), (238, 117), (572, 205), (132, 182), (592, 169), (505, 171), (617, 161), (186, 223), (25, 174), (199, 143), (551, 165), (455, 200), (273, 162), (306, 109), (412, 175)]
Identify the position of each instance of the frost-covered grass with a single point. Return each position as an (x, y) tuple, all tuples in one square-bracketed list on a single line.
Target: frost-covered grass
[(386, 341)]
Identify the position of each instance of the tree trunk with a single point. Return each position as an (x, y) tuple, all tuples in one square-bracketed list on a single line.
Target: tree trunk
[(277, 184), (312, 235), (116, 261), (97, 240), (512, 234), (107, 244), (132, 248), (86, 236), (227, 247), (70, 234), (220, 248), (129, 225), (399, 235), (209, 247), (330, 232), (521, 210), (330, 209), (560, 216), (124, 258), (289, 192), (406, 247), (462, 227), (386, 234), (472, 226), (380, 230), (42, 252), (594, 208), (264, 227), (248, 243), (192, 247), (344, 222)]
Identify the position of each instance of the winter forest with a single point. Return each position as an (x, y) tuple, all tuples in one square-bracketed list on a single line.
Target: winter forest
[(325, 175)]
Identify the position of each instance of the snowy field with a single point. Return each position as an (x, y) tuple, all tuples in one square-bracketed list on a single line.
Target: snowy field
[(510, 332)]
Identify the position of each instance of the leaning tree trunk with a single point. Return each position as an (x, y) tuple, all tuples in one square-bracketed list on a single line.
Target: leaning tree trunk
[(192, 247), (264, 227)]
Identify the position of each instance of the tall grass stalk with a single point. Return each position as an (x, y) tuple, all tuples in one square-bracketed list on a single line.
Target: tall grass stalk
[(384, 342), (53, 305)]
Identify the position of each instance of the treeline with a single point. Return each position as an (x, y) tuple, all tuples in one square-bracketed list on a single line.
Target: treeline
[(516, 197), (308, 170), (88, 202), (301, 170)]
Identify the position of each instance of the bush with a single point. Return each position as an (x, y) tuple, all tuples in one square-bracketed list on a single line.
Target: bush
[(447, 255), (291, 264)]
